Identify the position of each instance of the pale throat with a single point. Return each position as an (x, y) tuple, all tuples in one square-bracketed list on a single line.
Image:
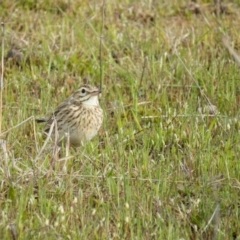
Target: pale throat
[(92, 101)]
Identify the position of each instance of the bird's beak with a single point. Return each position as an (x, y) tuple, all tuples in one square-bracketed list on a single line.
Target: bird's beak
[(95, 93)]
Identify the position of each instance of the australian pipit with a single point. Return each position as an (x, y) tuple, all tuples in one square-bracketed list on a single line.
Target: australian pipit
[(78, 118)]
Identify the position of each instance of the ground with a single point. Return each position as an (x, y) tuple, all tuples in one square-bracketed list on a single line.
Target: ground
[(165, 164)]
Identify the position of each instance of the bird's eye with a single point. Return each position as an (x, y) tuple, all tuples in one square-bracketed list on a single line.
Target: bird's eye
[(83, 90)]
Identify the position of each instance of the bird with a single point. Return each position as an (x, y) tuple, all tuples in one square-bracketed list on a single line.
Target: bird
[(77, 119)]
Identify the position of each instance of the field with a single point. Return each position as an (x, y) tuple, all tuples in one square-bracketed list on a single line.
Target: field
[(165, 164)]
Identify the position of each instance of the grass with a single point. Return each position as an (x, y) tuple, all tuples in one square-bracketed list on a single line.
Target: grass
[(160, 169)]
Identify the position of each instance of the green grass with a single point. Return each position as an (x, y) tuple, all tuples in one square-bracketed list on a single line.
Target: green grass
[(159, 169)]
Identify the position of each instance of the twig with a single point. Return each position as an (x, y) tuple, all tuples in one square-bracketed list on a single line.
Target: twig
[(100, 47), (2, 73)]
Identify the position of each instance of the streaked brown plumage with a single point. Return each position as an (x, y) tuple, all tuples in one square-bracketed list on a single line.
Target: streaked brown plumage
[(78, 118)]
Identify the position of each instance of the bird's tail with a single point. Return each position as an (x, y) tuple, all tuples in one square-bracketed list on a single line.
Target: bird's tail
[(40, 120)]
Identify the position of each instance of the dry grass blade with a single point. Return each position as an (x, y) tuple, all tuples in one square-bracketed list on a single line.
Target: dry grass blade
[(231, 50), (194, 80), (13, 231), (218, 7), (100, 46), (3, 146), (2, 73), (213, 218), (19, 124), (46, 141), (143, 71)]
